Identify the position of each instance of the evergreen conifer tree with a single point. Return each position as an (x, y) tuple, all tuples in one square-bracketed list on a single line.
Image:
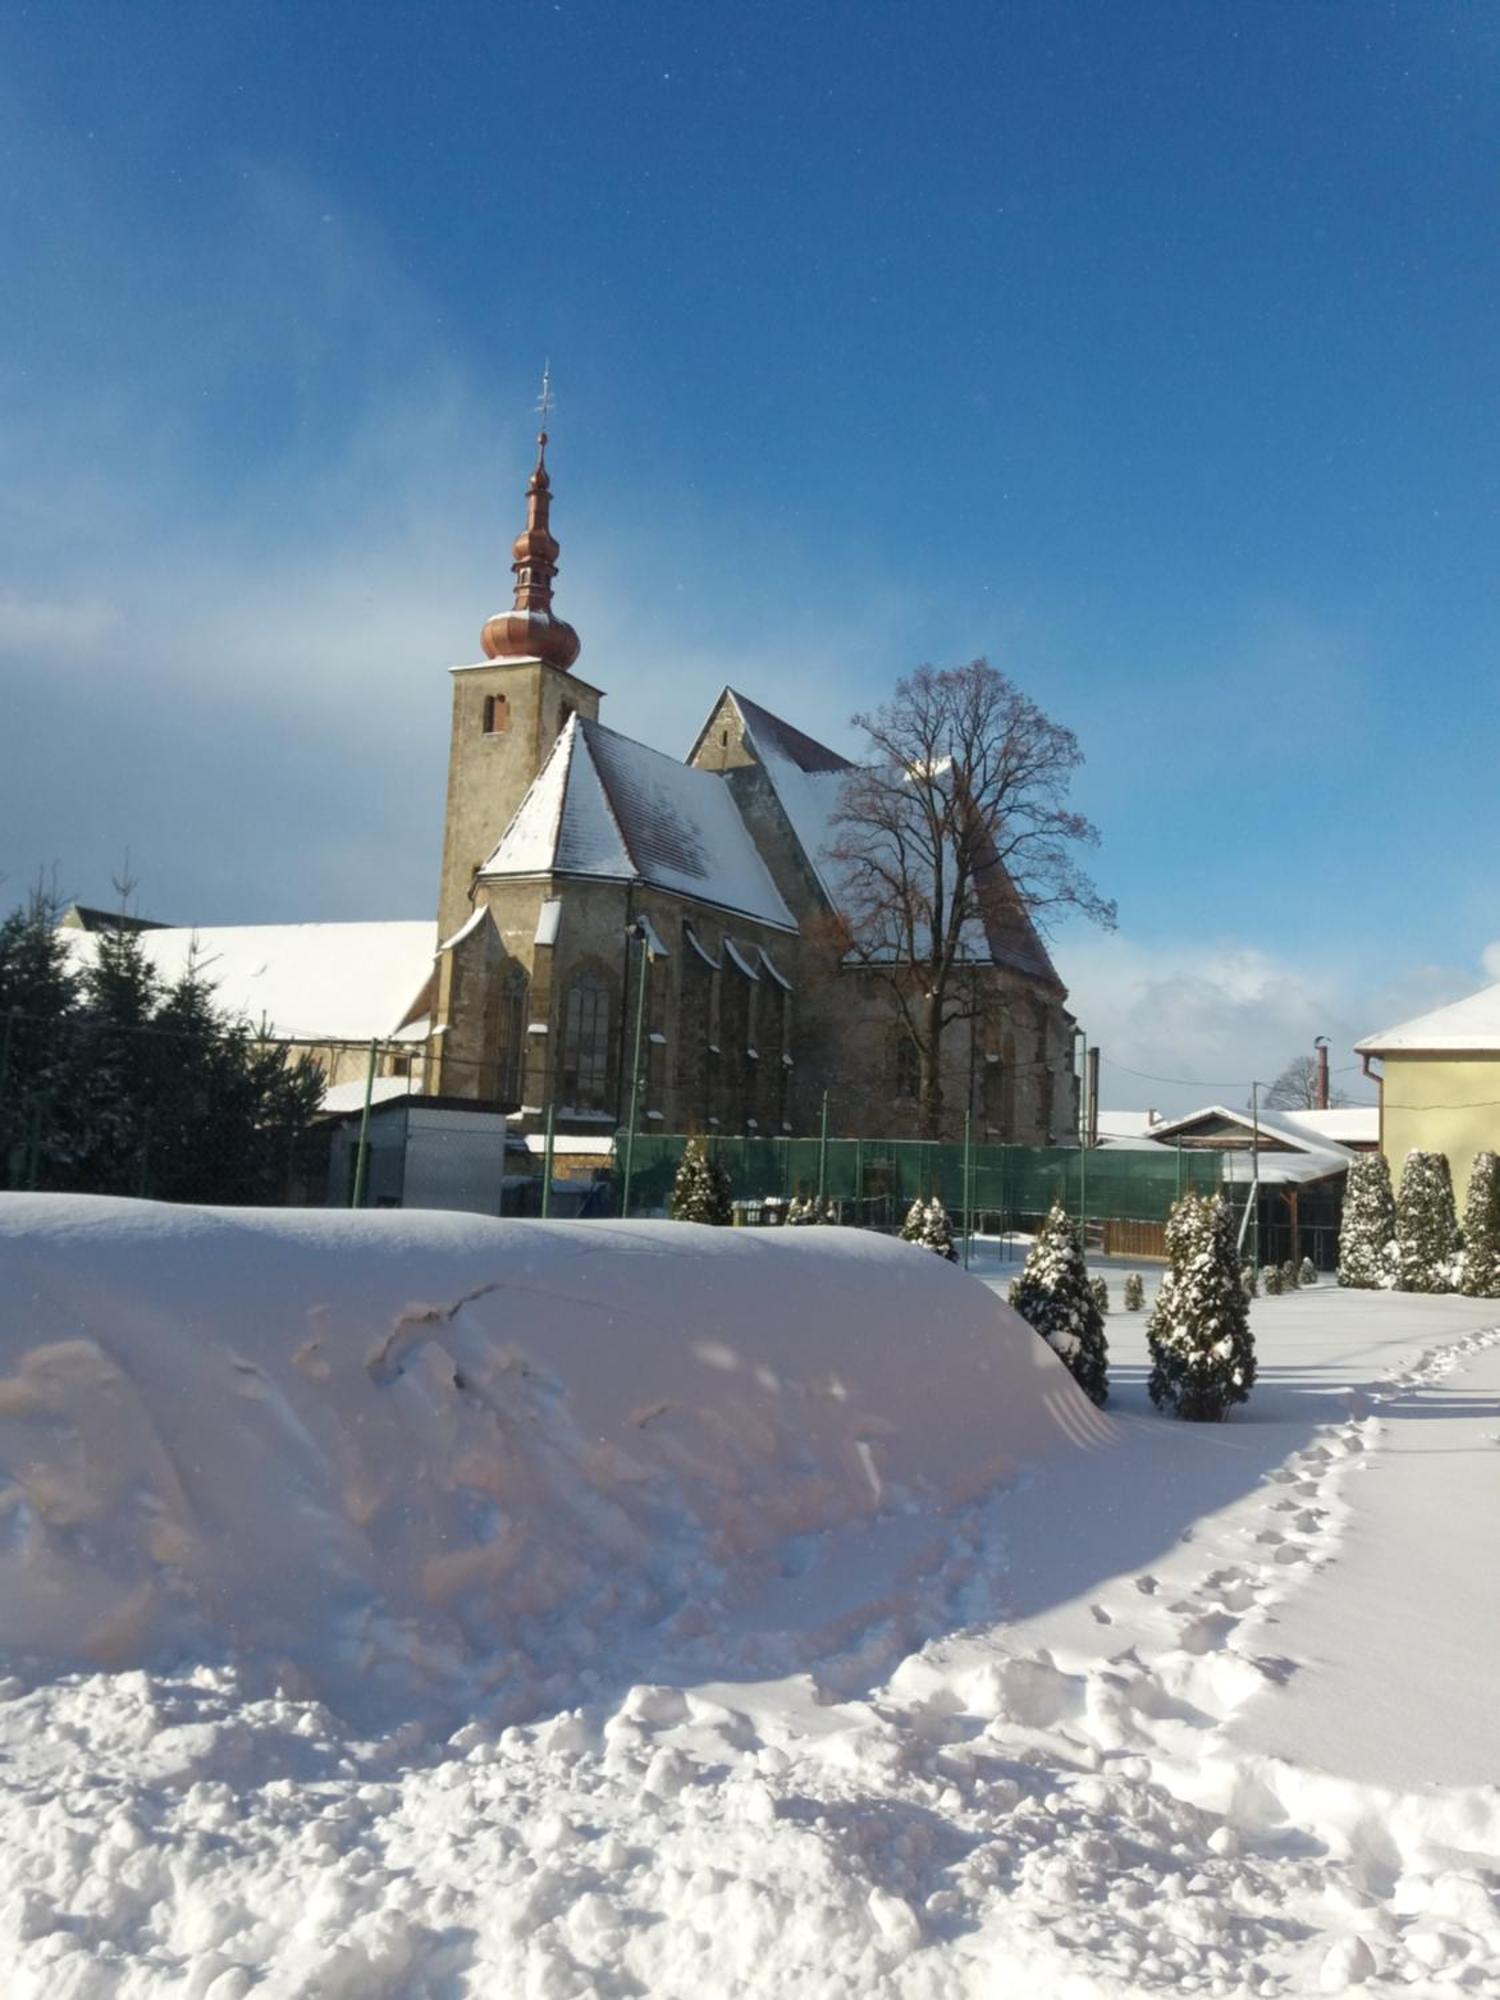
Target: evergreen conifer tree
[(1307, 1272), (1053, 1295), (914, 1228), (1427, 1238), (1135, 1292), (938, 1231), (1202, 1352), (1481, 1267), (695, 1189), (1367, 1231)]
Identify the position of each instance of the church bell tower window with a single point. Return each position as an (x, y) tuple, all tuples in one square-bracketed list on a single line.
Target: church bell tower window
[(496, 714)]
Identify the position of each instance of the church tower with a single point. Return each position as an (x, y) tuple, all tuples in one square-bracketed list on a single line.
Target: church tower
[(509, 708)]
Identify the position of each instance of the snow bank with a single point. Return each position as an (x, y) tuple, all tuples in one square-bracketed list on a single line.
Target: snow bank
[(398, 1456)]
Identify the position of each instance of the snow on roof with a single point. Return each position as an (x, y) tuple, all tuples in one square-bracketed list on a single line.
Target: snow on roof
[(1285, 1156), (809, 779), (605, 806), (340, 1098), (299, 982), (1127, 1124), (1345, 1124), (1472, 1024)]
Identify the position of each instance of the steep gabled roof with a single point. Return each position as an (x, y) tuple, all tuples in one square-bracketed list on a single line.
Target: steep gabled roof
[(608, 808), (808, 779), (1471, 1025)]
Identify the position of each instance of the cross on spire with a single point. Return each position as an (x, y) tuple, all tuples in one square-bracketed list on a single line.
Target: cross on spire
[(544, 401)]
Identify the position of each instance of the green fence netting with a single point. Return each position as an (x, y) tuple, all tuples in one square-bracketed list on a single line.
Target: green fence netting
[(1124, 1185)]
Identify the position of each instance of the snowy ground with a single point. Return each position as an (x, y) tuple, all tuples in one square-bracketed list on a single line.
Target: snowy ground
[(1207, 1710)]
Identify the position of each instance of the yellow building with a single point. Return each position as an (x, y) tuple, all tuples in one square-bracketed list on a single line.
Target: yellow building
[(1440, 1085)]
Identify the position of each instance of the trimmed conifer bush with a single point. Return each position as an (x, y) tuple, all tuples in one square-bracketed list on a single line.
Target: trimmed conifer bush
[(1100, 1289), (1367, 1232), (1270, 1278), (1053, 1295), (939, 1236), (801, 1210), (1481, 1266), (1427, 1238), (1135, 1292), (1202, 1351), (1249, 1280), (1307, 1272), (700, 1191), (1289, 1277)]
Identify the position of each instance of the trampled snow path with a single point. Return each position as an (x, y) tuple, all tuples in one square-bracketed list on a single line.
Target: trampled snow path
[(1078, 1793)]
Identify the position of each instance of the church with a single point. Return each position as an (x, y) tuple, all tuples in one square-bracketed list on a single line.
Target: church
[(592, 886), (597, 897)]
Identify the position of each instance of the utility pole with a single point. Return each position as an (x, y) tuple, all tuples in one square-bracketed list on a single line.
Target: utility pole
[(968, 1186), (1320, 1089), (635, 1078)]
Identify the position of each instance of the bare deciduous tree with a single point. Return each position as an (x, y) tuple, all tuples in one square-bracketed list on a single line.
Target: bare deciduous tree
[(957, 828), (1296, 1089)]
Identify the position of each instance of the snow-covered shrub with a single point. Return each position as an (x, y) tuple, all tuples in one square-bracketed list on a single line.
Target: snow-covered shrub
[(1135, 1292), (801, 1209), (1481, 1266), (1290, 1279), (1249, 1280), (1100, 1291), (1427, 1238), (700, 1192), (1270, 1279), (939, 1236), (927, 1223), (1367, 1233), (1054, 1296), (1307, 1272), (1202, 1351)]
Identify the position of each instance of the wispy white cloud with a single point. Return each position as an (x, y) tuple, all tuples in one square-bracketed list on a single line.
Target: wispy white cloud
[(1181, 1023)]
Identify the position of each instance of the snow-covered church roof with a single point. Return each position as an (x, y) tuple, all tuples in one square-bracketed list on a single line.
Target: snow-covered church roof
[(1471, 1025), (808, 780), (297, 982), (606, 807)]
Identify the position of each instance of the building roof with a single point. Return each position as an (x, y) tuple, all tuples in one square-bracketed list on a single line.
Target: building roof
[(808, 780), (1284, 1156), (298, 982), (605, 807), (1466, 1026), (1345, 1124), (83, 917)]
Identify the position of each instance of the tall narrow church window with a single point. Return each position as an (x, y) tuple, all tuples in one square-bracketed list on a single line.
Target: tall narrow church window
[(496, 714), (585, 1061), (513, 993)]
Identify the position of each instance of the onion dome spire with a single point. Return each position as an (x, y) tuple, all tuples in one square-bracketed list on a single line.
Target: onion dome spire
[(529, 630)]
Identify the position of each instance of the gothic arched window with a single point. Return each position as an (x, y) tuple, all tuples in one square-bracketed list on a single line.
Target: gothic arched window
[(513, 994), (585, 1058)]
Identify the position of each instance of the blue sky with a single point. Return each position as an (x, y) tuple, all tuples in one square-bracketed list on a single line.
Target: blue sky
[(1149, 350)]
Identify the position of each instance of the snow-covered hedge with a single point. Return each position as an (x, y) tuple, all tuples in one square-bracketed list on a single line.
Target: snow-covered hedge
[(1367, 1232), (1427, 1239), (1481, 1262)]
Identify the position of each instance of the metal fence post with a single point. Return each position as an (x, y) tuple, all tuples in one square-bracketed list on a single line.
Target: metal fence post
[(823, 1151), (547, 1163), (968, 1186), (362, 1157), (635, 1078)]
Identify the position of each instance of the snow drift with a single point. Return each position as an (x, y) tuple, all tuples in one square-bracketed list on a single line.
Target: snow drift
[(398, 1455)]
